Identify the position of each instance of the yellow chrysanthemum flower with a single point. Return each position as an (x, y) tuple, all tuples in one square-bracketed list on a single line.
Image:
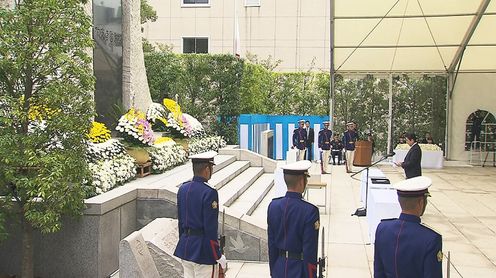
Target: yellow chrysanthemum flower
[(99, 133), (162, 140)]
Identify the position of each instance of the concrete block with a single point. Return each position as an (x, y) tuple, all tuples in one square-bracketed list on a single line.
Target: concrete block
[(110, 200), (135, 260), (234, 152), (232, 217), (269, 165), (149, 209), (254, 158), (169, 194), (241, 246), (128, 218), (109, 236), (161, 237), (147, 193), (254, 226), (264, 251)]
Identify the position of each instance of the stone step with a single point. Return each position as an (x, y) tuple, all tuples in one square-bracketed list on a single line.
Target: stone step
[(226, 174), (237, 186), (253, 196), (261, 210)]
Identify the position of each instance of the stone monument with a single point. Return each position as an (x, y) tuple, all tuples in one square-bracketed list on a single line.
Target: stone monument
[(135, 90), (135, 260), (161, 236)]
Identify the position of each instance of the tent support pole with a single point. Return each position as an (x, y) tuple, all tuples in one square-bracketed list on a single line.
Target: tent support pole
[(331, 65), (390, 116)]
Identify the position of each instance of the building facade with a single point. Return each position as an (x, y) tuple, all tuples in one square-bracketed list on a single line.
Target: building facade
[(293, 31)]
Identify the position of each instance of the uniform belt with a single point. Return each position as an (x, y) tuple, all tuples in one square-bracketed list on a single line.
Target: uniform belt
[(291, 255), (193, 232)]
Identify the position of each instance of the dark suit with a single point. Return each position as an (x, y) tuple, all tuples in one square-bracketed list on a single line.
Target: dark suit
[(411, 164), (310, 139)]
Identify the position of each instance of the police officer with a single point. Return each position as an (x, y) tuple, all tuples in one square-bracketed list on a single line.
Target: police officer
[(349, 139), (325, 137), (404, 247), (300, 139), (197, 214), (293, 227)]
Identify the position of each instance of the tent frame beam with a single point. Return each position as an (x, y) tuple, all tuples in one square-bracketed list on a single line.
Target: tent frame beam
[(468, 35), (416, 45), (409, 16)]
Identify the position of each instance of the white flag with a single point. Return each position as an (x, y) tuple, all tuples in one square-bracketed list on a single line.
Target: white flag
[(236, 40)]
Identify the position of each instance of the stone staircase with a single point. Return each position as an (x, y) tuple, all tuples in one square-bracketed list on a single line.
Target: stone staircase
[(245, 183)]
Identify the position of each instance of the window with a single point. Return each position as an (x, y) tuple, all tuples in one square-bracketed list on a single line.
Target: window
[(482, 135), (196, 2), (195, 45), (252, 3)]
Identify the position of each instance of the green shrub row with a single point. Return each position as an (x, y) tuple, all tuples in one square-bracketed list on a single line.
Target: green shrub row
[(217, 88)]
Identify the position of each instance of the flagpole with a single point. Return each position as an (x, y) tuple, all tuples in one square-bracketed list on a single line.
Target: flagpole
[(236, 40), (331, 67)]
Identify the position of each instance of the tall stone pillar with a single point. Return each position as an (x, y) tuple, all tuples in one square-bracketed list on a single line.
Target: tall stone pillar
[(135, 90)]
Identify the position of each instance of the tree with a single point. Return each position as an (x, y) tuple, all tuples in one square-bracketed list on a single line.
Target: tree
[(147, 14), (46, 88)]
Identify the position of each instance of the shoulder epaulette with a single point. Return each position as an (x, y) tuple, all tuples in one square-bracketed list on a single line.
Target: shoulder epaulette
[(388, 219), (429, 228), (277, 198), (208, 185), (309, 203)]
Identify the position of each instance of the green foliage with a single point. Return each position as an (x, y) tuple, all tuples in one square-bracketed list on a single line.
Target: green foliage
[(419, 105), (217, 88), (147, 12), (206, 86), (366, 102), (46, 88)]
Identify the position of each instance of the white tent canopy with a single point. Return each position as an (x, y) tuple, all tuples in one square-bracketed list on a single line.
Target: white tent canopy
[(414, 35)]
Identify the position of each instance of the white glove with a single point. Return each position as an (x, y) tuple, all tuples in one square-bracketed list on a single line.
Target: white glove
[(222, 261)]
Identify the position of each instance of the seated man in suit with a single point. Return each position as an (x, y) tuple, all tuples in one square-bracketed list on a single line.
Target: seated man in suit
[(411, 164)]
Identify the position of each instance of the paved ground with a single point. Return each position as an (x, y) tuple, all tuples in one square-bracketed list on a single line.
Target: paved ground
[(462, 208)]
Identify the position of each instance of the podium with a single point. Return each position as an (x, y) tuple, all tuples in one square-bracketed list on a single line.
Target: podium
[(363, 153)]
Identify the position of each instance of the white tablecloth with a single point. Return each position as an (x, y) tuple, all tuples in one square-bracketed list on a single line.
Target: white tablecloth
[(373, 173), (430, 159), (382, 204)]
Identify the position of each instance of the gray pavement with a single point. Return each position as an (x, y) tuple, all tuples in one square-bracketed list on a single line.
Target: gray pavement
[(462, 208)]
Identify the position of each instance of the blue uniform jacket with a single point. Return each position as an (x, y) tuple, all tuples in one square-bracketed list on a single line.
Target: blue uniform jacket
[(300, 138), (349, 140), (293, 225), (198, 211), (325, 138), (407, 249)]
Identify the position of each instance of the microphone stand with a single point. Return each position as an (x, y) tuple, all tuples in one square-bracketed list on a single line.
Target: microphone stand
[(363, 211)]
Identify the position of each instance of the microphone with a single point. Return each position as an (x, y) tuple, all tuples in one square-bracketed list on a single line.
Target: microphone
[(390, 155)]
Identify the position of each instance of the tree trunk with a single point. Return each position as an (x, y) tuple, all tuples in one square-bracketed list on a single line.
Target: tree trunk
[(27, 250)]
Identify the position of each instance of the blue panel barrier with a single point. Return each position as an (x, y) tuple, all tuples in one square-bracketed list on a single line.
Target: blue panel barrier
[(250, 126)]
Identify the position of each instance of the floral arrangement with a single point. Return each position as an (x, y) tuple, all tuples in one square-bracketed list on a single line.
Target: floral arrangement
[(99, 133), (174, 109), (135, 128), (170, 117), (157, 115), (110, 165), (424, 147), (203, 144), (166, 154), (192, 127)]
